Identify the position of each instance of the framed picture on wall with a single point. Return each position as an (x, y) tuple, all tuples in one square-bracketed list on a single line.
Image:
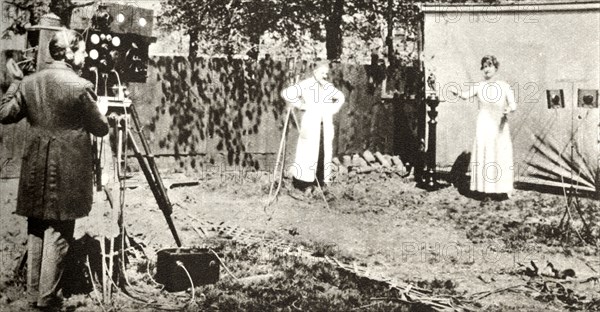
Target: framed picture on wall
[(556, 99), (587, 98)]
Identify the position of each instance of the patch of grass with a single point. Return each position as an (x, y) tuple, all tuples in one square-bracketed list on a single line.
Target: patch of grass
[(291, 284), (535, 221)]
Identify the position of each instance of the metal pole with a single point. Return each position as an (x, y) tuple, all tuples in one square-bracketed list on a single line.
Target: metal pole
[(432, 101)]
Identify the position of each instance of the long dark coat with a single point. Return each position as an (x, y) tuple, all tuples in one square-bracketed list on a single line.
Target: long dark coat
[(56, 172)]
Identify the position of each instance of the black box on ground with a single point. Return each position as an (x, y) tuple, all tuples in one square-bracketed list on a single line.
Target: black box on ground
[(202, 265)]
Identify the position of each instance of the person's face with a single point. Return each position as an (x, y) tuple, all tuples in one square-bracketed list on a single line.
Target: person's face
[(78, 57), (489, 70), (321, 73)]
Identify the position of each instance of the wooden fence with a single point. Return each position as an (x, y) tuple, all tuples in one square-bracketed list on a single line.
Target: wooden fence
[(229, 112)]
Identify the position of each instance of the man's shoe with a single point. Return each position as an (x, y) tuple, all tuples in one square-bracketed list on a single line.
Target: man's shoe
[(309, 191), (296, 194), (50, 305)]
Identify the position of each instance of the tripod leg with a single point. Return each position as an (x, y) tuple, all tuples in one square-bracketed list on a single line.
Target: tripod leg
[(168, 207), (578, 207), (164, 204), (279, 152), (160, 198), (281, 172), (120, 174), (104, 280), (21, 265), (121, 131), (295, 120), (97, 150), (570, 226)]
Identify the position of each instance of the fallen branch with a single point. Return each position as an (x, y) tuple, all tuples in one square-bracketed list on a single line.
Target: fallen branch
[(483, 294), (416, 301), (590, 266), (366, 306), (257, 278), (195, 225), (294, 305)]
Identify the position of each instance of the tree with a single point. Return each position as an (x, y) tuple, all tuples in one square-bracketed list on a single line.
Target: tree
[(24, 13), (334, 34), (239, 24), (234, 26), (64, 9), (19, 14)]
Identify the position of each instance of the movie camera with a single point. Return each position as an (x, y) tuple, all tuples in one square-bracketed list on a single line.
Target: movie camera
[(117, 41)]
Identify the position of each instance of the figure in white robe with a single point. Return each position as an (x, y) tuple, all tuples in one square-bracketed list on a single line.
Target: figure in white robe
[(492, 153), (319, 100)]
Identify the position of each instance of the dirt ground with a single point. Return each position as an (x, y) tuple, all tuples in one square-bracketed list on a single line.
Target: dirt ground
[(478, 251)]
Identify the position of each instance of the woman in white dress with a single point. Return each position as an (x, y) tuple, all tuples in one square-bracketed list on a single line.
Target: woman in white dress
[(492, 153)]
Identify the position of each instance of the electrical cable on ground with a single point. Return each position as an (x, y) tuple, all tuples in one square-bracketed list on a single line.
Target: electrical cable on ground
[(224, 266), (148, 267), (87, 263), (193, 289)]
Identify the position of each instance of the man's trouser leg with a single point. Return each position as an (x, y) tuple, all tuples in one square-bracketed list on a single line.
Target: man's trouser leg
[(320, 174), (57, 238), (35, 247)]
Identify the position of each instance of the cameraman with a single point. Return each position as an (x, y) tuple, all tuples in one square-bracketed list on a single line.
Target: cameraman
[(55, 187)]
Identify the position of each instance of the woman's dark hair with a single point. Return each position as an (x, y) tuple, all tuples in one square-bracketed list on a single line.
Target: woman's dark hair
[(63, 40), (490, 59)]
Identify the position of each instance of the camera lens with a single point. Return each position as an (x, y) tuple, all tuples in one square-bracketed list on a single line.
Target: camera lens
[(94, 54), (95, 39)]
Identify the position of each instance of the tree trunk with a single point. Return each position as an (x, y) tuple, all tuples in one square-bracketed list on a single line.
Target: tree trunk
[(390, 30), (62, 9), (193, 47), (333, 27), (255, 49)]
